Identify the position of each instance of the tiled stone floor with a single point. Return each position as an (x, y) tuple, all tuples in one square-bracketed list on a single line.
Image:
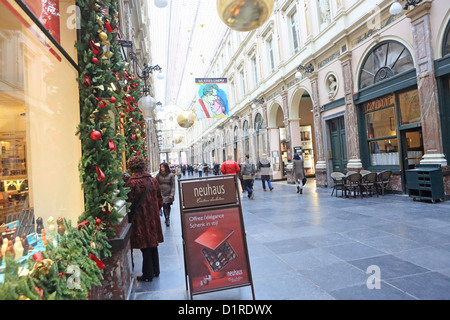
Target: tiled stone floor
[(317, 246)]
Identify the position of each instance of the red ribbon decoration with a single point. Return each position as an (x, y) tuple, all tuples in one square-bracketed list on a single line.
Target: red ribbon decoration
[(101, 103), (82, 225), (108, 26), (112, 147), (100, 174), (87, 82), (94, 47), (97, 261)]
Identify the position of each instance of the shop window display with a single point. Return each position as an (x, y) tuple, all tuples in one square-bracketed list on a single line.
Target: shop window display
[(381, 132), (39, 110)]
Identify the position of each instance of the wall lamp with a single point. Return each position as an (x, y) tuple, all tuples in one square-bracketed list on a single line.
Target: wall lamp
[(301, 69), (259, 101), (146, 70), (232, 118), (396, 8)]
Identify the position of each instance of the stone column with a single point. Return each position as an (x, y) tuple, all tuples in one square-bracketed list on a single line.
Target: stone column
[(321, 165), (426, 84), (285, 108), (351, 121)]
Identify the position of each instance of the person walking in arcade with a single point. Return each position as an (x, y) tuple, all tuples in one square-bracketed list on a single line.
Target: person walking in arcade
[(166, 181)]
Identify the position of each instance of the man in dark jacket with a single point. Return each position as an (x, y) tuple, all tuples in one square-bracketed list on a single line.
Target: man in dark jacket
[(248, 175)]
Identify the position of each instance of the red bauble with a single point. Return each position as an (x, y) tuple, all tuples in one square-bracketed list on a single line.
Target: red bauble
[(94, 60), (122, 115), (96, 135), (112, 100), (98, 221)]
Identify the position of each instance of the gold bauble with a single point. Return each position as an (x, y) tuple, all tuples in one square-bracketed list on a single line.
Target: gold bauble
[(177, 139), (185, 119), (244, 15), (103, 36)]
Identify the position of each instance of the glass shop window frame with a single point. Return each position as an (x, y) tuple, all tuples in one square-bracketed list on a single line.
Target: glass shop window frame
[(38, 44), (367, 141)]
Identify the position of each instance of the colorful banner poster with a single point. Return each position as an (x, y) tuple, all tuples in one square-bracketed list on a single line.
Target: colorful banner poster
[(216, 255), (47, 11), (212, 99)]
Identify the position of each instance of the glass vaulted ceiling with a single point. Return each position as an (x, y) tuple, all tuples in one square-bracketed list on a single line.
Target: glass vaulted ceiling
[(184, 36)]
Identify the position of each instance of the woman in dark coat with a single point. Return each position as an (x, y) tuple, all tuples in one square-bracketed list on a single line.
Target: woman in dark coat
[(299, 172), (166, 180), (146, 231)]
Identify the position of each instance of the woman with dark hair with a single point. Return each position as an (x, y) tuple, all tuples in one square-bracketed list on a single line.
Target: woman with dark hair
[(146, 230), (299, 173), (166, 180)]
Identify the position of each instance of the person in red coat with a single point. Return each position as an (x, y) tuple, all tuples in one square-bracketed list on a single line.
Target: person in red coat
[(146, 231), (230, 166)]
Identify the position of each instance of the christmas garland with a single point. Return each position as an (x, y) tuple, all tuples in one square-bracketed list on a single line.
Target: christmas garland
[(108, 94)]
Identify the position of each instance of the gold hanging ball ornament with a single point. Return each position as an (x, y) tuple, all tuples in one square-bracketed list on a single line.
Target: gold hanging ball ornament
[(177, 139), (185, 119), (244, 15)]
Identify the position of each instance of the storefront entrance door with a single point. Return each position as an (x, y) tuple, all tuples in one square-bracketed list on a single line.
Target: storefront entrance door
[(338, 144), (412, 151)]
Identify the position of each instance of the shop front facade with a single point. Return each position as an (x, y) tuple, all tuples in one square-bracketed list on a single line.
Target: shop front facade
[(43, 179), (375, 97)]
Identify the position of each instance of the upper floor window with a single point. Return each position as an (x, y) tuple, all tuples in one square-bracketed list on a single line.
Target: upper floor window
[(324, 13), (385, 60), (254, 71), (242, 79), (270, 57), (294, 30)]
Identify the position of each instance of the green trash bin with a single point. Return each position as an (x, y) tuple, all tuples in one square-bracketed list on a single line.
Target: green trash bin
[(425, 182)]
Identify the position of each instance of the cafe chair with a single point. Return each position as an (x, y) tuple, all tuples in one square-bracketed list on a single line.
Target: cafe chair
[(338, 182), (368, 184), (352, 184), (383, 178)]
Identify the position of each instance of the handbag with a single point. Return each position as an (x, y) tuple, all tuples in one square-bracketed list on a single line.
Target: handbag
[(136, 205), (304, 181)]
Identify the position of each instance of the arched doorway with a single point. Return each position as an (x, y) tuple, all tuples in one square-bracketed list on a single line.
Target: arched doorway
[(302, 128), (279, 146)]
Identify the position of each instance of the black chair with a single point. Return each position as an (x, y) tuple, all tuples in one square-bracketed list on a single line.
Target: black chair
[(338, 182), (352, 183), (368, 184), (383, 178)]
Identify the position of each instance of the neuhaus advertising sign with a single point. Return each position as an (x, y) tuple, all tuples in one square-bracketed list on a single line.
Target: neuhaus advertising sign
[(214, 244), (208, 193)]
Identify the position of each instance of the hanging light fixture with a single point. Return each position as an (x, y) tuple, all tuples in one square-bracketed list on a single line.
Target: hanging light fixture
[(161, 3), (244, 15), (147, 104), (396, 8)]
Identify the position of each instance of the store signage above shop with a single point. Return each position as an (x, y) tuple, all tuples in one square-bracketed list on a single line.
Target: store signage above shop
[(208, 193), (379, 103)]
